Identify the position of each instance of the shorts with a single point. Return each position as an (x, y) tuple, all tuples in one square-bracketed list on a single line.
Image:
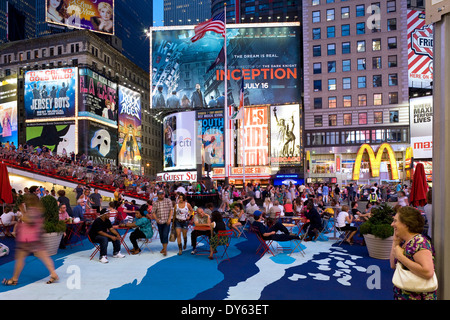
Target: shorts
[(181, 224)]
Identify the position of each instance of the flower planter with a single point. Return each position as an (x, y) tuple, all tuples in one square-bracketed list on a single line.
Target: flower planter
[(378, 248), (51, 242)]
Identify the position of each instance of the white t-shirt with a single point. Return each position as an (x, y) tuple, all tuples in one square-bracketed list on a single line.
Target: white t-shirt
[(341, 219), (7, 218)]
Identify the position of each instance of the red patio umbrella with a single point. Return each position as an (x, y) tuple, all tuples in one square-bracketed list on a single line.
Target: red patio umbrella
[(419, 188), (5, 185)]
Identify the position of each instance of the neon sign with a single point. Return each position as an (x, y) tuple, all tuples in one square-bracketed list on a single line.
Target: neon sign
[(375, 161)]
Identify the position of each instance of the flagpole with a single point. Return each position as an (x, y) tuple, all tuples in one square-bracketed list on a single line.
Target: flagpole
[(227, 142)]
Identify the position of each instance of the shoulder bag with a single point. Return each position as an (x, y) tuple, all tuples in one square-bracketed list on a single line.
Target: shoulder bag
[(406, 280)]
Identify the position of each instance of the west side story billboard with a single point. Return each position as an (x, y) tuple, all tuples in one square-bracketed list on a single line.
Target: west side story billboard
[(266, 56)]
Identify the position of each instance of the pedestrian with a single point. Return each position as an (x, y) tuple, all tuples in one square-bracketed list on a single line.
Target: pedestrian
[(29, 239), (95, 200), (162, 212)]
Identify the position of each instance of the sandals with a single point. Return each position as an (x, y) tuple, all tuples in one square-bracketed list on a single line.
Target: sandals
[(9, 282), (52, 280)]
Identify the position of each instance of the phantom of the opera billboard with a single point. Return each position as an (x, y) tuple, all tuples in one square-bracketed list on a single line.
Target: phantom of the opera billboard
[(50, 93), (185, 74), (93, 15), (98, 141), (8, 110), (130, 129)]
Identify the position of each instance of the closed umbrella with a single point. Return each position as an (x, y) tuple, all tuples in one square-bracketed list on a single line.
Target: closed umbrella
[(5, 185), (419, 188)]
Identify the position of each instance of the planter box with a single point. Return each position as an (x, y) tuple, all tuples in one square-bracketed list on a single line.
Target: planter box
[(51, 242), (378, 248)]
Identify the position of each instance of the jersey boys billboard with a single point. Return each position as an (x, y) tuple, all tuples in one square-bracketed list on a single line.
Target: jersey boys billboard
[(265, 56), (50, 93)]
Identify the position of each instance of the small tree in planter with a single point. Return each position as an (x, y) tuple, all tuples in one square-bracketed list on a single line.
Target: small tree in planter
[(53, 227), (378, 232)]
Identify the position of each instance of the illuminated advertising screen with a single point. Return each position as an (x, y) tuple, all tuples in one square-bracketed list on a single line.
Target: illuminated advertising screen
[(94, 15), (97, 96), (420, 50), (179, 143), (58, 136), (8, 110), (98, 141), (421, 124), (285, 138), (130, 129), (210, 134), (184, 74), (255, 150), (50, 93)]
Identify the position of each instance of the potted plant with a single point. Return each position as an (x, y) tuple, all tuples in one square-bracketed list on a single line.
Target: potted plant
[(53, 227), (378, 232)]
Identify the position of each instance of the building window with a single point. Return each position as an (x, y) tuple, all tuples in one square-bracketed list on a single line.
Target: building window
[(391, 6), (317, 85), (392, 42), (317, 103), (378, 117), (331, 33), (347, 119), (332, 120), (331, 84), (345, 30), (317, 68), (332, 102), (361, 28), (360, 10), (377, 99), (362, 118), (361, 82), (376, 63), (315, 2), (318, 121), (393, 79), (317, 51), (392, 61), (315, 16), (393, 97), (346, 83), (347, 101), (330, 14), (393, 116), (392, 24), (345, 12), (362, 100), (377, 81), (361, 64), (331, 66), (331, 49), (346, 65), (346, 47), (376, 44), (361, 46), (316, 33)]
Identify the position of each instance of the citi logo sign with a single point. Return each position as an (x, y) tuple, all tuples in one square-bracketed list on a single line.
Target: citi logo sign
[(185, 142)]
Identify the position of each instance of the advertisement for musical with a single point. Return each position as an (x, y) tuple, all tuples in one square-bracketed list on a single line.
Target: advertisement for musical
[(179, 141), (193, 73), (97, 96), (8, 110), (285, 137), (50, 93), (130, 129), (210, 133), (98, 142), (94, 15), (57, 136)]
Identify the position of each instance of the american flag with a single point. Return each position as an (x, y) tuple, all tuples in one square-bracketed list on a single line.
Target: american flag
[(215, 24)]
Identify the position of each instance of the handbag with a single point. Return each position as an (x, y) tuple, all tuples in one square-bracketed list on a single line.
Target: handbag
[(406, 280)]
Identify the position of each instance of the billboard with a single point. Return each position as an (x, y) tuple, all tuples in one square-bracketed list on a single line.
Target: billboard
[(8, 110), (94, 15), (420, 50), (98, 141), (421, 127), (184, 74), (57, 136), (210, 135), (179, 143), (130, 129), (255, 148), (285, 138), (50, 93)]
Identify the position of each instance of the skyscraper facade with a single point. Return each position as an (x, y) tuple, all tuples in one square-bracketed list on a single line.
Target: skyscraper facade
[(186, 12)]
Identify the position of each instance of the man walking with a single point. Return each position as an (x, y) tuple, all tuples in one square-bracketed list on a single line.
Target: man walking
[(162, 213)]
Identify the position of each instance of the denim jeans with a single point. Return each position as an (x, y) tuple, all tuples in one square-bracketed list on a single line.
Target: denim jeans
[(103, 242), (164, 231)]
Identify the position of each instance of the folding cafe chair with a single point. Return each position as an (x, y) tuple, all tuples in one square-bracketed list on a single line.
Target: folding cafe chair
[(224, 239), (264, 245)]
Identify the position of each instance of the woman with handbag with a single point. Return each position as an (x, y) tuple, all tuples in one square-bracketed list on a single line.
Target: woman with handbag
[(183, 212), (412, 257)]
